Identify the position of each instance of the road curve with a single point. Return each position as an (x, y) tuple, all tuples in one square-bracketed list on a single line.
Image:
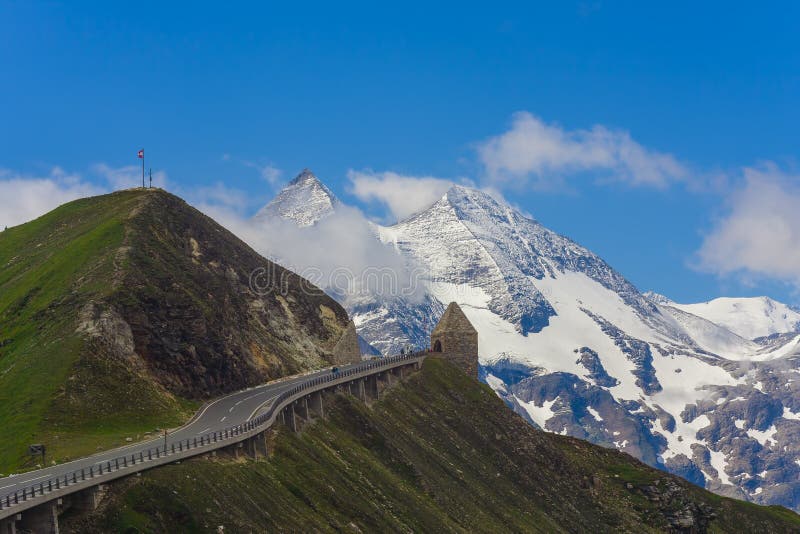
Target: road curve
[(223, 413)]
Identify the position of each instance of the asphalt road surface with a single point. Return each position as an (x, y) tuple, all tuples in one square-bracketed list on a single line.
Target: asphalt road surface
[(223, 413)]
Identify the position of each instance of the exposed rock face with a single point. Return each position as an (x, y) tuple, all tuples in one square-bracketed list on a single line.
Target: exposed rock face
[(108, 328), (591, 361), (348, 348), (197, 322), (456, 339), (116, 309), (637, 351)]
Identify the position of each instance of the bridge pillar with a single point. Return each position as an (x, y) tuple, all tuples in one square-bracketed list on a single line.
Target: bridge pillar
[(234, 449), (372, 387), (262, 445), (315, 403), (291, 420), (9, 525), (251, 446), (389, 378), (88, 499), (42, 519), (357, 389)]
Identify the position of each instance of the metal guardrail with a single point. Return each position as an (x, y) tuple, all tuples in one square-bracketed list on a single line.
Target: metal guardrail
[(127, 464)]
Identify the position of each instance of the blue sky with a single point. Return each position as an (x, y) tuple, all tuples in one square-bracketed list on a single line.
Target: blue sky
[(669, 131)]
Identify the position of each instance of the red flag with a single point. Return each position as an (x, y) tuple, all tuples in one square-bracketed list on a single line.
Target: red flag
[(141, 154)]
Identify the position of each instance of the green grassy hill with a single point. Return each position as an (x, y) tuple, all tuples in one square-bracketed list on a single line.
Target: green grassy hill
[(121, 313), (438, 453)]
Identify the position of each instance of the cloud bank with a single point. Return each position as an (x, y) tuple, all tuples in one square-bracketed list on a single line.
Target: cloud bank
[(341, 253), (543, 154), (760, 234), (537, 155), (403, 195), (24, 198)]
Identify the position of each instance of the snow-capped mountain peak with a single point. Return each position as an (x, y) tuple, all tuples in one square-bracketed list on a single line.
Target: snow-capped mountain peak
[(657, 298), (749, 318), (575, 348), (305, 200)]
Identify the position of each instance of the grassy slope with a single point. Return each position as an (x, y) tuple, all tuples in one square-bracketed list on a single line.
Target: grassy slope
[(48, 267), (163, 289), (439, 453)]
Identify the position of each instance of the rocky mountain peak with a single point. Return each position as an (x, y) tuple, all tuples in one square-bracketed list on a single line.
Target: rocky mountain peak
[(657, 298), (575, 348), (305, 200), (306, 177), (467, 198)]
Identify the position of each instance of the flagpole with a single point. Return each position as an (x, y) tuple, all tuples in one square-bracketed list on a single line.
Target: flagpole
[(142, 168)]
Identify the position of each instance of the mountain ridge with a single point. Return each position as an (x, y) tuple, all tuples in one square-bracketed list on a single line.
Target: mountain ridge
[(575, 348)]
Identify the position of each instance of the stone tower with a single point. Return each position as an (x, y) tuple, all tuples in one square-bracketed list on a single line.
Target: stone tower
[(347, 349), (457, 340)]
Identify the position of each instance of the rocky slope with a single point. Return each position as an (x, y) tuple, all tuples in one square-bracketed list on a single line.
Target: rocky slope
[(576, 349), (121, 313), (438, 453)]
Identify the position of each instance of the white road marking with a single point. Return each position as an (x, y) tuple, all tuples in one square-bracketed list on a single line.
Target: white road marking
[(204, 431), (28, 481), (223, 419), (273, 388)]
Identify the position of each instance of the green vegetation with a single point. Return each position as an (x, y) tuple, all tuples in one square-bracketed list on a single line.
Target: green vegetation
[(120, 314), (438, 453), (48, 269)]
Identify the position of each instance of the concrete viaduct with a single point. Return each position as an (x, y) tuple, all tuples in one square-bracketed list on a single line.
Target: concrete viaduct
[(33, 504)]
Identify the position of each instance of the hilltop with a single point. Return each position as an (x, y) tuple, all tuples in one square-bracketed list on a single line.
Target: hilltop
[(438, 453), (121, 313)]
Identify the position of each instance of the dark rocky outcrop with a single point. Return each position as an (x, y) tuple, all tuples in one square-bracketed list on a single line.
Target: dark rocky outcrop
[(591, 361), (121, 313), (348, 349)]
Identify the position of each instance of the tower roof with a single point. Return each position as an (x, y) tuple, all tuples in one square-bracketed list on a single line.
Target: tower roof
[(454, 320)]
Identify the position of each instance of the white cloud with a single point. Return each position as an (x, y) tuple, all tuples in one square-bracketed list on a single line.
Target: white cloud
[(228, 206), (269, 173), (402, 195), (760, 235), (334, 254), (24, 198), (546, 153), (128, 176)]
